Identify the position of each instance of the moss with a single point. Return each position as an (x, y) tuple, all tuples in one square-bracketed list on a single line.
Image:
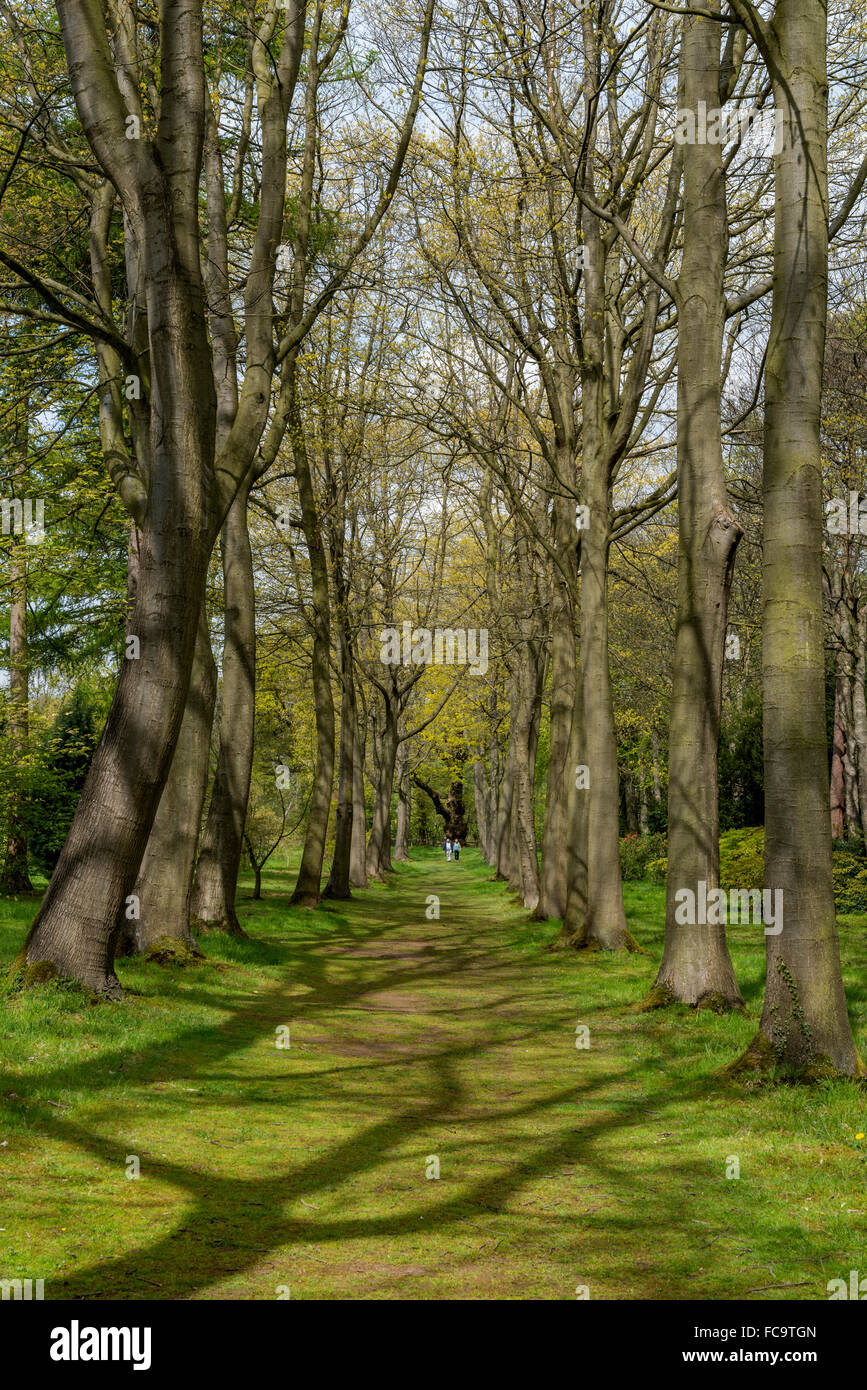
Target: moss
[(761, 1062), (168, 950), (719, 1004), (38, 972), (659, 996)]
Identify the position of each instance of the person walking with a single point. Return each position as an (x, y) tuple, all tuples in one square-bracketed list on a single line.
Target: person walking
[(448, 849), (457, 850)]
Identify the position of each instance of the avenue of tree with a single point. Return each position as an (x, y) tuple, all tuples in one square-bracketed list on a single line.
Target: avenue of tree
[(323, 321)]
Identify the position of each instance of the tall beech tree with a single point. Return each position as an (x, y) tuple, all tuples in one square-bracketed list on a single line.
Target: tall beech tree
[(804, 1025), (696, 967)]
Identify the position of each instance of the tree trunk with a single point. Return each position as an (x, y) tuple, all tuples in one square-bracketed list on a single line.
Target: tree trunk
[(859, 712), (16, 877), (164, 884), (338, 885), (358, 853), (604, 923), (552, 902), (804, 1025), (493, 808), (216, 881), (657, 778), (579, 820), (480, 799), (308, 887), (696, 966), (404, 801), (77, 924), (524, 861), (838, 791), (502, 844), (379, 844), (630, 802)]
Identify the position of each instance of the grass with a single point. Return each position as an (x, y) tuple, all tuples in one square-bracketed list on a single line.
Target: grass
[(302, 1169)]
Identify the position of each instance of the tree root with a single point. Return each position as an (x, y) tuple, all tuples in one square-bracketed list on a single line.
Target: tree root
[(761, 1065), (168, 950)]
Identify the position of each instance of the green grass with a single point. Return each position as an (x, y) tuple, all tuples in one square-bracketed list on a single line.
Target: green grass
[(305, 1166)]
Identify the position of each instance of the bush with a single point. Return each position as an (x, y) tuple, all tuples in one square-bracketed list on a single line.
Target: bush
[(742, 865), (637, 851), (742, 858), (657, 870), (850, 879)]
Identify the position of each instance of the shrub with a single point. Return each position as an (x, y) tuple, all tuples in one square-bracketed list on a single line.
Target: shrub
[(742, 858), (636, 852), (657, 870), (742, 865)]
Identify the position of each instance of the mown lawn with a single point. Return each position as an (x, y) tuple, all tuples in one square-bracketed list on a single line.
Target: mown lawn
[(268, 1171)]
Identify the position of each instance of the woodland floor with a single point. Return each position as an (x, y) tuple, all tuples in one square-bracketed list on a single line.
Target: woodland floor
[(304, 1167)]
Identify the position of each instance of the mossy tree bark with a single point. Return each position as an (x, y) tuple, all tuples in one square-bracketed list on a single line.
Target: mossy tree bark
[(164, 884)]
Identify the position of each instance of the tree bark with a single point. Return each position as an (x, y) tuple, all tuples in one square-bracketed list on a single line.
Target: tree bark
[(859, 712), (404, 795), (553, 885), (502, 839), (379, 843), (804, 1026), (696, 966), (164, 884), (338, 885), (838, 791), (16, 876), (493, 806), (526, 715), (480, 799), (308, 886), (216, 881), (579, 818), (358, 852)]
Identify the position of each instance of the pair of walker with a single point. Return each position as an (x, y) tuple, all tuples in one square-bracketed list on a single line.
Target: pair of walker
[(452, 849)]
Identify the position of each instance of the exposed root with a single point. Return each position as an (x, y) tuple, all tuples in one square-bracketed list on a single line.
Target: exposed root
[(659, 996), (662, 996), (205, 926), (39, 972), (760, 1064)]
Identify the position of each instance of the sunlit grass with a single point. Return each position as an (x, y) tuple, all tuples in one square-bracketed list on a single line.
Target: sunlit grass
[(412, 1038)]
